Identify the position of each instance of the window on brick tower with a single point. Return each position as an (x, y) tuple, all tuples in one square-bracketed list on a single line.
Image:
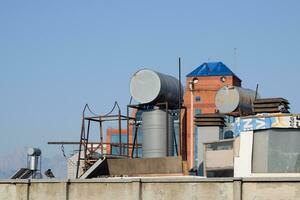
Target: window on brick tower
[(197, 98), (198, 111)]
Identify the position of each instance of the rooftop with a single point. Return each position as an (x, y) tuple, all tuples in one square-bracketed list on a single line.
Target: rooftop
[(212, 69)]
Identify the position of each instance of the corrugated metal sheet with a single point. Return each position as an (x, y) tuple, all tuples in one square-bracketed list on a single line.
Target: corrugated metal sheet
[(155, 136)]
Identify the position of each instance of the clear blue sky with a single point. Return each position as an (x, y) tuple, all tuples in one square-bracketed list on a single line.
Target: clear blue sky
[(56, 55)]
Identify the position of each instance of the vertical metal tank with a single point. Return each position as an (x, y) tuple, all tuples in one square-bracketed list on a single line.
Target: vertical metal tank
[(155, 134), (33, 155), (231, 98), (151, 87)]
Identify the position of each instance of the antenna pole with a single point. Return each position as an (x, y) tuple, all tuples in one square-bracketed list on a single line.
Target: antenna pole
[(256, 91), (234, 54)]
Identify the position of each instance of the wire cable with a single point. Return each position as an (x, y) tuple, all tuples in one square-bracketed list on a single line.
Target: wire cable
[(64, 154)]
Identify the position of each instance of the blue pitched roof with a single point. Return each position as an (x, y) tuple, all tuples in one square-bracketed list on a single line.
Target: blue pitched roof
[(212, 69)]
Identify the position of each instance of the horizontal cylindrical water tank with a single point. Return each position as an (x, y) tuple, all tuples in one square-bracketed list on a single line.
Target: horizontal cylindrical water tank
[(231, 98), (155, 134), (151, 87)]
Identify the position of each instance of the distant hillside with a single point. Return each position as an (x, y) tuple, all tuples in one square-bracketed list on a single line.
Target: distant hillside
[(16, 159), (11, 162)]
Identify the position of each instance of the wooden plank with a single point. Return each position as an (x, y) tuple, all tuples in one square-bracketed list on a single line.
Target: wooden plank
[(271, 100), (269, 105), (209, 120), (209, 116), (209, 124)]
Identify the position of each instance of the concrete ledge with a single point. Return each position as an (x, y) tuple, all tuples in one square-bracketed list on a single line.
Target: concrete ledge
[(163, 179), (107, 180), (184, 179), (272, 179), (148, 188), (14, 181)]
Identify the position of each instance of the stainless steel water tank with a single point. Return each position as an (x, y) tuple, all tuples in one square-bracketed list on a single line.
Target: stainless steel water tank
[(231, 98), (33, 163), (155, 136), (151, 87), (34, 156)]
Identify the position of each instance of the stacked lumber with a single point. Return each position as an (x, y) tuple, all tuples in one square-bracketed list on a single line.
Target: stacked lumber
[(271, 105), (209, 120)]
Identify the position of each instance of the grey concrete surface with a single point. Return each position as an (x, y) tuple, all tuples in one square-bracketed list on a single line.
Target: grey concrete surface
[(271, 191), (173, 188)]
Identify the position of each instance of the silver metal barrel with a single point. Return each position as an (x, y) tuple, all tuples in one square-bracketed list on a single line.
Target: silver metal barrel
[(34, 156), (151, 87), (155, 136), (230, 98), (33, 163)]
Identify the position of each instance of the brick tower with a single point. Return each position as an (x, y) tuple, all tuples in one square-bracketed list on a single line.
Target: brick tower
[(202, 85)]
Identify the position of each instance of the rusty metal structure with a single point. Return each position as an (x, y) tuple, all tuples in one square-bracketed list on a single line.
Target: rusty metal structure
[(90, 153), (89, 149)]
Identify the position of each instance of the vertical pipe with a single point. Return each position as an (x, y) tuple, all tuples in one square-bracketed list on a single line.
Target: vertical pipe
[(192, 131), (80, 145), (41, 165), (101, 135), (179, 107), (120, 130), (184, 135), (87, 139), (128, 131), (128, 126), (176, 147), (256, 92), (167, 128), (134, 141)]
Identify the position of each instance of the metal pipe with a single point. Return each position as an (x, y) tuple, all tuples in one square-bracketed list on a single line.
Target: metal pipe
[(179, 106), (256, 91), (120, 130), (192, 130), (101, 136), (184, 136), (136, 143), (175, 141), (74, 143), (167, 129), (127, 130), (80, 143), (134, 140), (87, 140)]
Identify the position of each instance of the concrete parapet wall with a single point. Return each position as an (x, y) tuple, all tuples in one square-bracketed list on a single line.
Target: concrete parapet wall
[(173, 188)]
